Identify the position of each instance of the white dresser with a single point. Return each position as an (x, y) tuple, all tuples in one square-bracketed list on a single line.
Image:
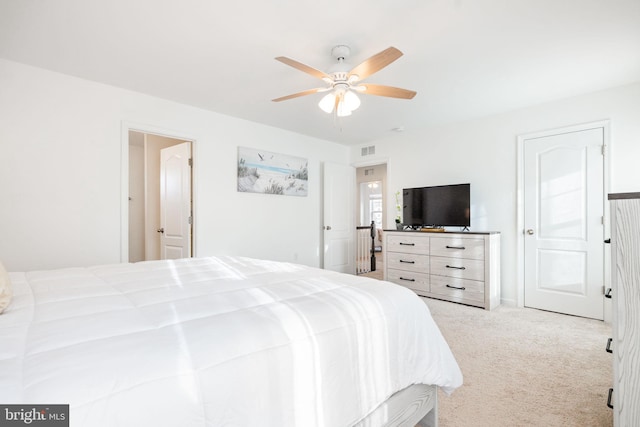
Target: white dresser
[(458, 267), (625, 292)]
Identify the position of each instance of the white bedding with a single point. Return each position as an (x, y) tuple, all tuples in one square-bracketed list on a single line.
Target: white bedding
[(215, 341)]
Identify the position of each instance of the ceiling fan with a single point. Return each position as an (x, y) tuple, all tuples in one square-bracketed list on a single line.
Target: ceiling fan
[(344, 83)]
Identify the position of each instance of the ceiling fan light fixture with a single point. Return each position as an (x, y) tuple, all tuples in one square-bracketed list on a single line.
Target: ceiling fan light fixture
[(351, 100), (343, 111), (347, 102), (327, 102), (340, 82)]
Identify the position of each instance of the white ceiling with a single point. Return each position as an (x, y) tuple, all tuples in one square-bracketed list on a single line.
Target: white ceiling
[(465, 58)]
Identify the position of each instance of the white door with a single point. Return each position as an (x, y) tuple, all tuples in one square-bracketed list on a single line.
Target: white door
[(175, 202), (563, 223), (339, 218)]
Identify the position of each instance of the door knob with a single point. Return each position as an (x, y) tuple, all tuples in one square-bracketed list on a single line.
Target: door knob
[(328, 227), (160, 230), (530, 232)]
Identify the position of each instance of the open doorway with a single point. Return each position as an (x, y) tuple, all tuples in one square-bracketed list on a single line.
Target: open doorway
[(371, 182), (160, 197)]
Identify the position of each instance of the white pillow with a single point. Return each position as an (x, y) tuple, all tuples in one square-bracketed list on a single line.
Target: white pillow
[(5, 288)]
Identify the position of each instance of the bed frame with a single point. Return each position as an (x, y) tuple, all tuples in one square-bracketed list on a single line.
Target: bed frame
[(416, 405)]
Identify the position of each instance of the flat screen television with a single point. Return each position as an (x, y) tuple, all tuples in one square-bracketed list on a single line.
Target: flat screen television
[(437, 206)]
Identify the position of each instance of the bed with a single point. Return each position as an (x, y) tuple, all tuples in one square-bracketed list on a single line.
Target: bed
[(222, 341)]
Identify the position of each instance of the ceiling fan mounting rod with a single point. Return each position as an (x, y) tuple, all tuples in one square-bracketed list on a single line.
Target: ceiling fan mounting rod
[(340, 52)]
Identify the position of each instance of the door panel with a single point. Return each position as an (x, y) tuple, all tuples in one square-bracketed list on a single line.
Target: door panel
[(562, 271), (175, 201), (562, 193), (563, 203), (339, 218)]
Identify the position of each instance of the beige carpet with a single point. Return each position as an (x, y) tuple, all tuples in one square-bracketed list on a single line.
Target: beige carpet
[(525, 367)]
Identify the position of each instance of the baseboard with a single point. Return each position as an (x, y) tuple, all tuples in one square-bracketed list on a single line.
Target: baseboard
[(508, 302)]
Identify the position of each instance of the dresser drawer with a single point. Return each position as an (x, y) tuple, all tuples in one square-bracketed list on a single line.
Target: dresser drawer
[(409, 279), (470, 290), (461, 268), (409, 262), (458, 247), (408, 243)]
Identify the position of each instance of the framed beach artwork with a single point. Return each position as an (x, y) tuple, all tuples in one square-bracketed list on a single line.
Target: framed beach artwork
[(265, 172)]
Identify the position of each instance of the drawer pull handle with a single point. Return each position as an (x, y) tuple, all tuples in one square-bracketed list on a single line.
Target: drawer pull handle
[(609, 399), (462, 288), (407, 244), (407, 280), (609, 345), (456, 268), (462, 248), (407, 262)]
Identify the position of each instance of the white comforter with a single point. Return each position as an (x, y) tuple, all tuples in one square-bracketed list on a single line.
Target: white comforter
[(215, 341)]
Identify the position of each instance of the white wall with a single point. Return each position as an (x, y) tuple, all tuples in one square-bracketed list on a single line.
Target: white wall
[(60, 175), (483, 153)]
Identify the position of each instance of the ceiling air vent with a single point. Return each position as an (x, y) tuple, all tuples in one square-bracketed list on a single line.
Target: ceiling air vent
[(368, 151)]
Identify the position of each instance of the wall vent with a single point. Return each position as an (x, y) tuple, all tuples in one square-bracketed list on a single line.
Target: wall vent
[(367, 151), (368, 172)]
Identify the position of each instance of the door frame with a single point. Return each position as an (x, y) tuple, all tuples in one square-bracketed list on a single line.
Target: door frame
[(385, 185), (520, 241), (125, 127), (385, 199)]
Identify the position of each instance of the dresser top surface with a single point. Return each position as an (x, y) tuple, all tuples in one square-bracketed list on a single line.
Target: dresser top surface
[(430, 233), (621, 196)]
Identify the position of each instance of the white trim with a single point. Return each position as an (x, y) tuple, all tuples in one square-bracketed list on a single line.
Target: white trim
[(127, 126), (378, 161), (386, 201), (603, 124)]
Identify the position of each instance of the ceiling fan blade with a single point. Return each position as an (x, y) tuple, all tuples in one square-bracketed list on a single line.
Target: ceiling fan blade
[(380, 90), (376, 63), (305, 68), (303, 93)]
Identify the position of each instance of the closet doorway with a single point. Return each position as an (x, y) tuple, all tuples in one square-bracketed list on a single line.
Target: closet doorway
[(160, 198)]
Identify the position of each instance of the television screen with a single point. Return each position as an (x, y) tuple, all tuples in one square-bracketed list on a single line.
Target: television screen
[(448, 205), (439, 206), (413, 207)]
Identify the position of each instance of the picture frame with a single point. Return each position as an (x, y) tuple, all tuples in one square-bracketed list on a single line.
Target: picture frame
[(266, 172)]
